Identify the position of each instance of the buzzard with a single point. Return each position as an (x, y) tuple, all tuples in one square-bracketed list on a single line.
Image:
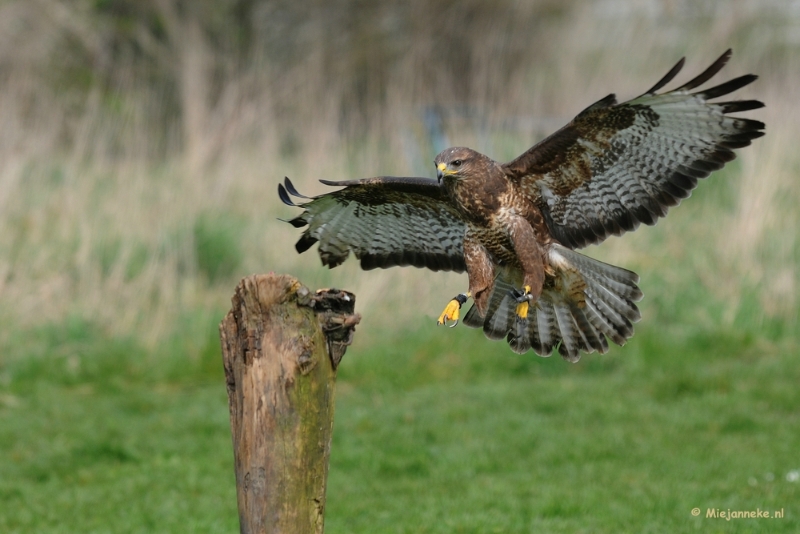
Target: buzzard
[(514, 226)]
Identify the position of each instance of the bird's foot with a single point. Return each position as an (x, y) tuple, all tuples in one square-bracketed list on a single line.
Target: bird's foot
[(523, 297), (450, 312)]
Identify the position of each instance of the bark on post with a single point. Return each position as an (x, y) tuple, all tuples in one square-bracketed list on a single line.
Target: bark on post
[(281, 344)]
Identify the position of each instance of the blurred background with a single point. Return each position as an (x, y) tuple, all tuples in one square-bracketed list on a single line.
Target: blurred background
[(142, 142)]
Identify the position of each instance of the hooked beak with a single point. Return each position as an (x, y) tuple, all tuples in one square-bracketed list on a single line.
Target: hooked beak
[(440, 171)]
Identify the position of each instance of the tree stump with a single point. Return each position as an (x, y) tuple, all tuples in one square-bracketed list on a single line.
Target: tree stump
[(281, 345)]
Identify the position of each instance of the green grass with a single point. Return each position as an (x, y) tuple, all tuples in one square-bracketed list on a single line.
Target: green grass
[(96, 435), (436, 431), (628, 442)]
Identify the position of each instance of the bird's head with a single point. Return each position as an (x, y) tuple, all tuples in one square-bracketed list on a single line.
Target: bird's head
[(455, 162)]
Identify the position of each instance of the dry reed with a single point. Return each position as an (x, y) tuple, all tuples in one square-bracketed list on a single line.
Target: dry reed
[(102, 181)]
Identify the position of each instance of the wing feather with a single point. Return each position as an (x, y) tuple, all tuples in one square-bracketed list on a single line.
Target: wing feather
[(668, 77), (707, 74), (618, 165), (385, 221)]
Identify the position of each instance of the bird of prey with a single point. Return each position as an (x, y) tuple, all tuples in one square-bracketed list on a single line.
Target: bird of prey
[(514, 226)]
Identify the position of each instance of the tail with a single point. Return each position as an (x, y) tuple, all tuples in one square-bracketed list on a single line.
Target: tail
[(583, 302)]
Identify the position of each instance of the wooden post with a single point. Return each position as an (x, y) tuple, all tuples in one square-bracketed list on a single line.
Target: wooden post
[(281, 345)]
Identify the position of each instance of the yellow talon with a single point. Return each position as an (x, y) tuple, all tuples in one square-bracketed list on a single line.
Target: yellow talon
[(522, 307), (450, 312)]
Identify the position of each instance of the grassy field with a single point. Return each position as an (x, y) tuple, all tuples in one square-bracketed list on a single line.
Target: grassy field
[(436, 431), (132, 200)]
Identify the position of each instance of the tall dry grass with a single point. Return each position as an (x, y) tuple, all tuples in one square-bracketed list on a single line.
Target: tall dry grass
[(112, 149)]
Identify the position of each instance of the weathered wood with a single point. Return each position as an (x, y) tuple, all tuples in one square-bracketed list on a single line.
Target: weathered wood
[(280, 346)]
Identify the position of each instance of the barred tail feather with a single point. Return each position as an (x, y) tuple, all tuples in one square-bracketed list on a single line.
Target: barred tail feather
[(545, 333), (584, 304), (500, 312)]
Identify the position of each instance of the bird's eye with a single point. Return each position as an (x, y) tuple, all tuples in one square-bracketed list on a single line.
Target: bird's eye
[(456, 163)]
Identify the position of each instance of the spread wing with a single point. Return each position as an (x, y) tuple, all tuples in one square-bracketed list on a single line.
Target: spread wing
[(384, 221), (617, 165)]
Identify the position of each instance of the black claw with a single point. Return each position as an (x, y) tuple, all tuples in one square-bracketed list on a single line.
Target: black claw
[(519, 295)]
